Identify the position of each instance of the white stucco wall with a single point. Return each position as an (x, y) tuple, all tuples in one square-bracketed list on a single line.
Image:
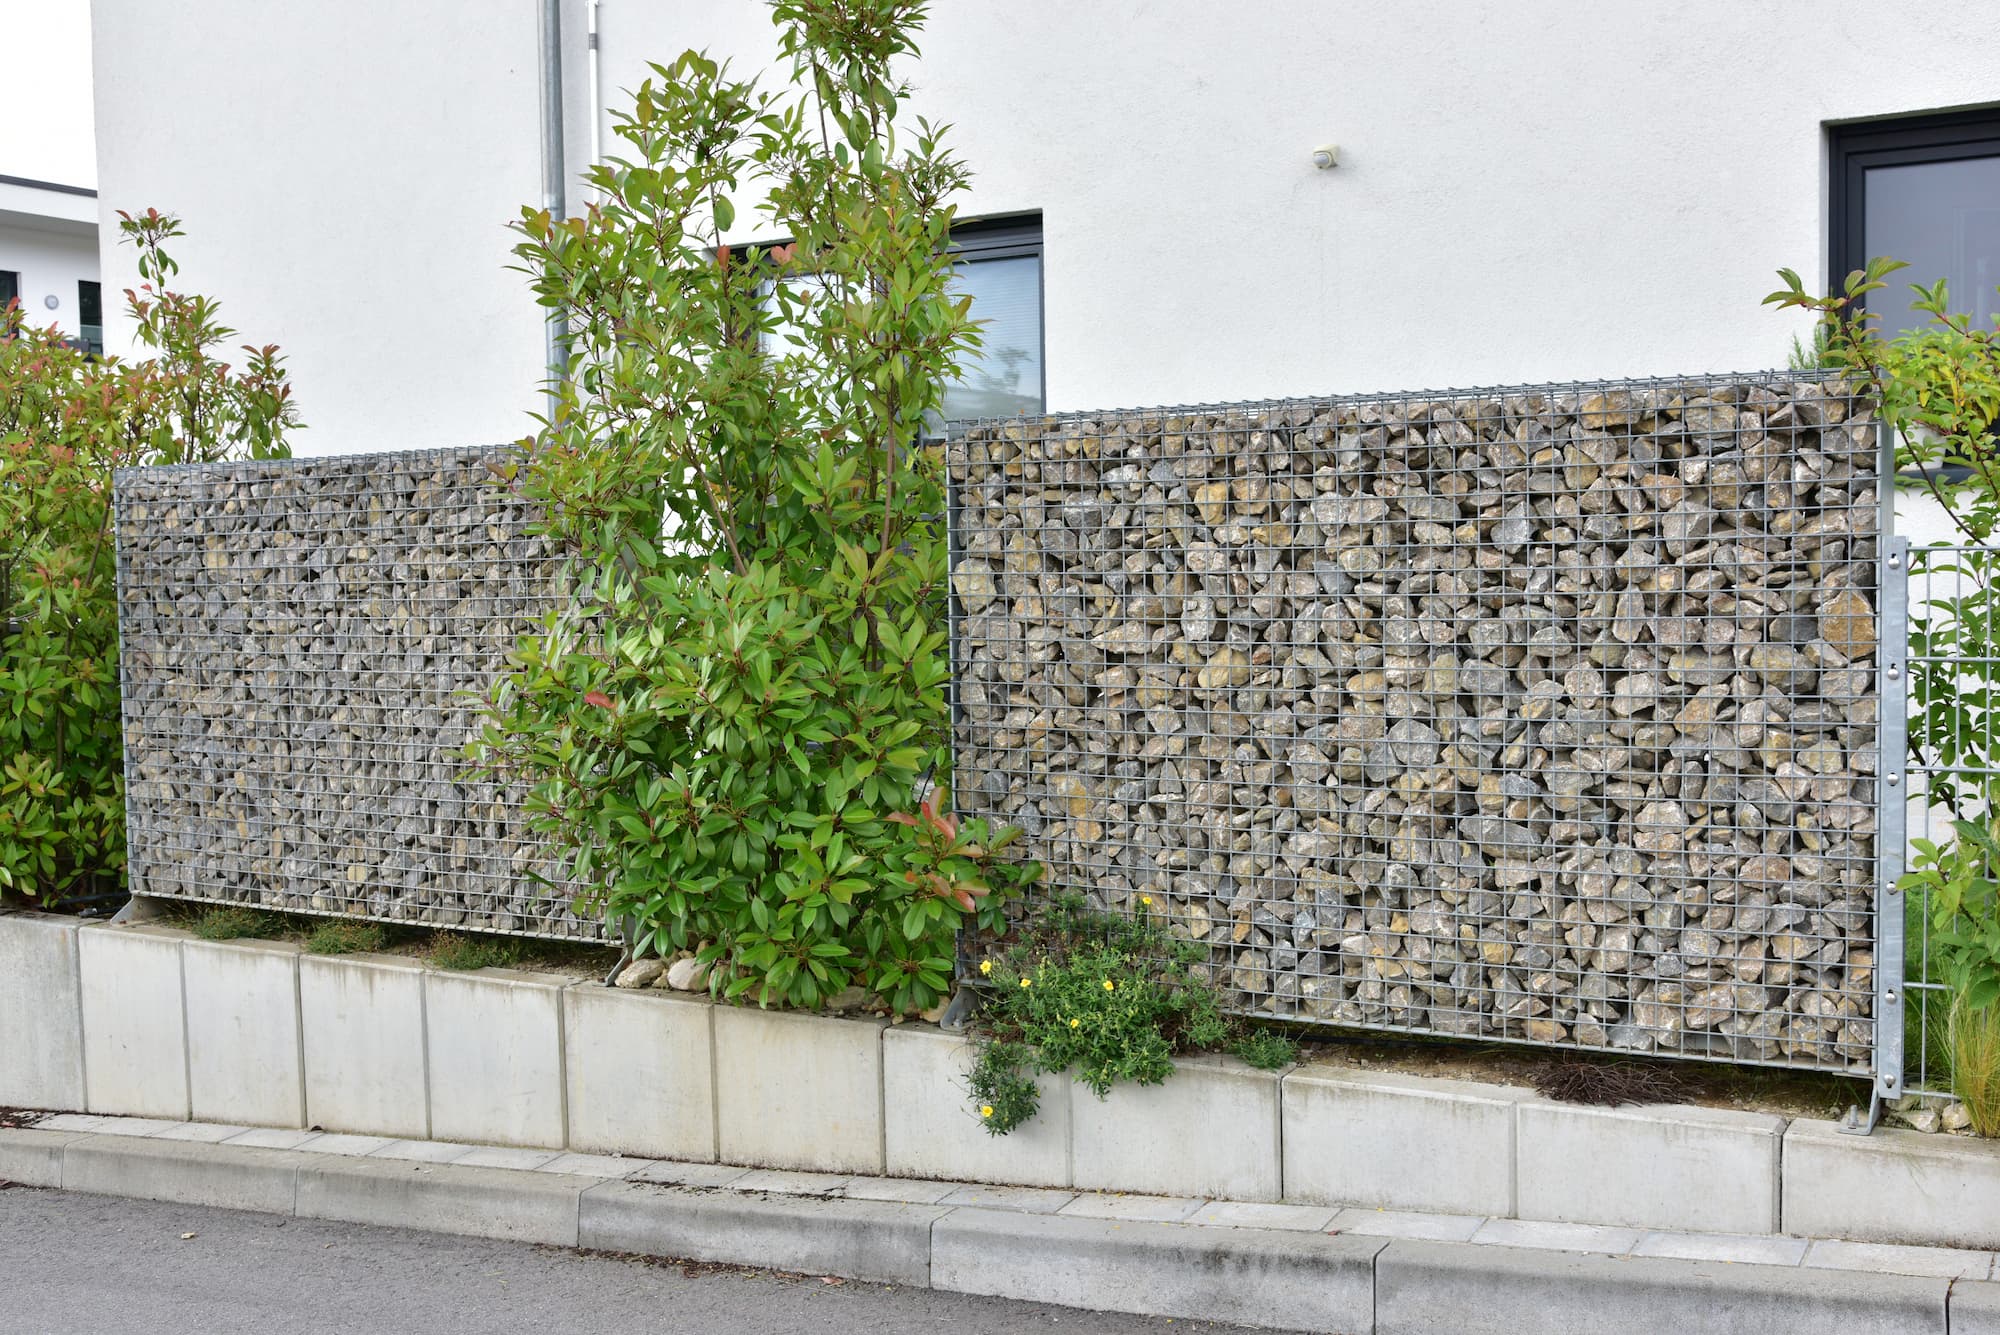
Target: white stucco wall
[(1528, 190)]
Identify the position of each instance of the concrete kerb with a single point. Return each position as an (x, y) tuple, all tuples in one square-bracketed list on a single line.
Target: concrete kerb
[(1288, 1278)]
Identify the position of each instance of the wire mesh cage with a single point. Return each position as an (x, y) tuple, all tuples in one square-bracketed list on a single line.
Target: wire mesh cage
[(1542, 714), (1954, 769), (302, 644)]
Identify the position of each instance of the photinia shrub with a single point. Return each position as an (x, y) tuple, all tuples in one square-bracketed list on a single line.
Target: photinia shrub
[(67, 420), (732, 732)]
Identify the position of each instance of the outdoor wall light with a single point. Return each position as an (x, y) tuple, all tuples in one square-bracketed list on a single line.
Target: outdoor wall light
[(50, 301), (1326, 155)]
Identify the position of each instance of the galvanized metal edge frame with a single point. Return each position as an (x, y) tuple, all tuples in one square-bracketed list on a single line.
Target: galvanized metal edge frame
[(134, 881), (1893, 574)]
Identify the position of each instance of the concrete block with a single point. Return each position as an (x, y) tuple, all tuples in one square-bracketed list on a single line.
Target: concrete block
[(1243, 1214), (872, 1240), (798, 1091), (32, 1158), (1702, 1170), (245, 1062), (134, 1021), (1411, 1224), (1210, 1130), (41, 1013), (1892, 1186), (1374, 1138), (1261, 1277), (442, 1198), (494, 1039), (641, 1073), (227, 1177), (1428, 1288), (362, 1020), (1975, 1308), (933, 1130)]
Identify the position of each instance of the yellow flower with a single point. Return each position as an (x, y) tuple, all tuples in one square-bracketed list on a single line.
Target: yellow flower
[(985, 1110), (1109, 985), (1024, 982), (986, 966), (1146, 900), (1074, 1023)]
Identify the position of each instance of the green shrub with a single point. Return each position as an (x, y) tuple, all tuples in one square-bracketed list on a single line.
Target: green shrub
[(337, 936), (67, 420), (731, 729), (1104, 998)]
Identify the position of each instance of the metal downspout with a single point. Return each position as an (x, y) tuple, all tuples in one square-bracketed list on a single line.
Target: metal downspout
[(553, 200)]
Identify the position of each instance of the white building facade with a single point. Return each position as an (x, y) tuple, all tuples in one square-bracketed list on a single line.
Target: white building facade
[(1525, 190), (48, 256)]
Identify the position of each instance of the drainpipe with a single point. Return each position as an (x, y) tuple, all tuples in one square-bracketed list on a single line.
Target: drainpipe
[(596, 92), (552, 170)]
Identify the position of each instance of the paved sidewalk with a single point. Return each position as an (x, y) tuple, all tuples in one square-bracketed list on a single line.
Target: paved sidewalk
[(116, 1267), (1280, 1266)]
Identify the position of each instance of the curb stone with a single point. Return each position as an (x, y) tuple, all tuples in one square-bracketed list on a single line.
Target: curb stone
[(1296, 1278)]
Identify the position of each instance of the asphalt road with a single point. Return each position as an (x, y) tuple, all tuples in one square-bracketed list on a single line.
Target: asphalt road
[(106, 1266)]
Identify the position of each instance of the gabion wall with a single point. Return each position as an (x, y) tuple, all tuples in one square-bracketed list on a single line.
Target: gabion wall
[(298, 641), (1543, 714)]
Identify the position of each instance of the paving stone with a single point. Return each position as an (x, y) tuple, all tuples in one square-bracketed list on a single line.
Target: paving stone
[(1889, 1259), (1253, 1214), (273, 1138), (1154, 1209), (1408, 1224), (1741, 1248), (791, 1183), (1030, 1200), (594, 1165), (423, 1151), (666, 1173), (1558, 1237)]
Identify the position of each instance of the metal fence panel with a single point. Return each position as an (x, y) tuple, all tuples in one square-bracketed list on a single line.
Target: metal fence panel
[(299, 639), (1541, 714)]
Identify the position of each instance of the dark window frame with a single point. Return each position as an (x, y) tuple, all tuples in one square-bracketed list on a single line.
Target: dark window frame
[(10, 286), (1855, 147), (1016, 236)]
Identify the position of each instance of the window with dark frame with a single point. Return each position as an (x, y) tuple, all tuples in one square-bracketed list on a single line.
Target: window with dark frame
[(999, 263), (90, 315), (1924, 190), (10, 287)]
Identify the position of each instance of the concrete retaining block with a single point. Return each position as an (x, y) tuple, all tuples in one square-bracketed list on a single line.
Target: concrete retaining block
[(1263, 1277), (1974, 1308), (1210, 1130), (1892, 1186), (1702, 1170), (443, 1198), (932, 1130), (641, 1073), (1399, 1142), (798, 1091), (362, 1021), (134, 1021), (32, 1158), (1428, 1288), (41, 1013), (244, 1056), (494, 1040), (881, 1241), (228, 1177)]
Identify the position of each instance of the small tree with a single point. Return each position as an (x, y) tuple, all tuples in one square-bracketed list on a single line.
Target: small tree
[(67, 421), (731, 732)]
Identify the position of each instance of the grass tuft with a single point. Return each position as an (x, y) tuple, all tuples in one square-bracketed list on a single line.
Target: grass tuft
[(1973, 1038), (460, 951), (335, 936), (234, 924)]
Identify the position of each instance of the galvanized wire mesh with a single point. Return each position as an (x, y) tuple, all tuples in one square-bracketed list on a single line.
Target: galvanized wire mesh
[(1954, 766), (300, 643), (1544, 714)]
